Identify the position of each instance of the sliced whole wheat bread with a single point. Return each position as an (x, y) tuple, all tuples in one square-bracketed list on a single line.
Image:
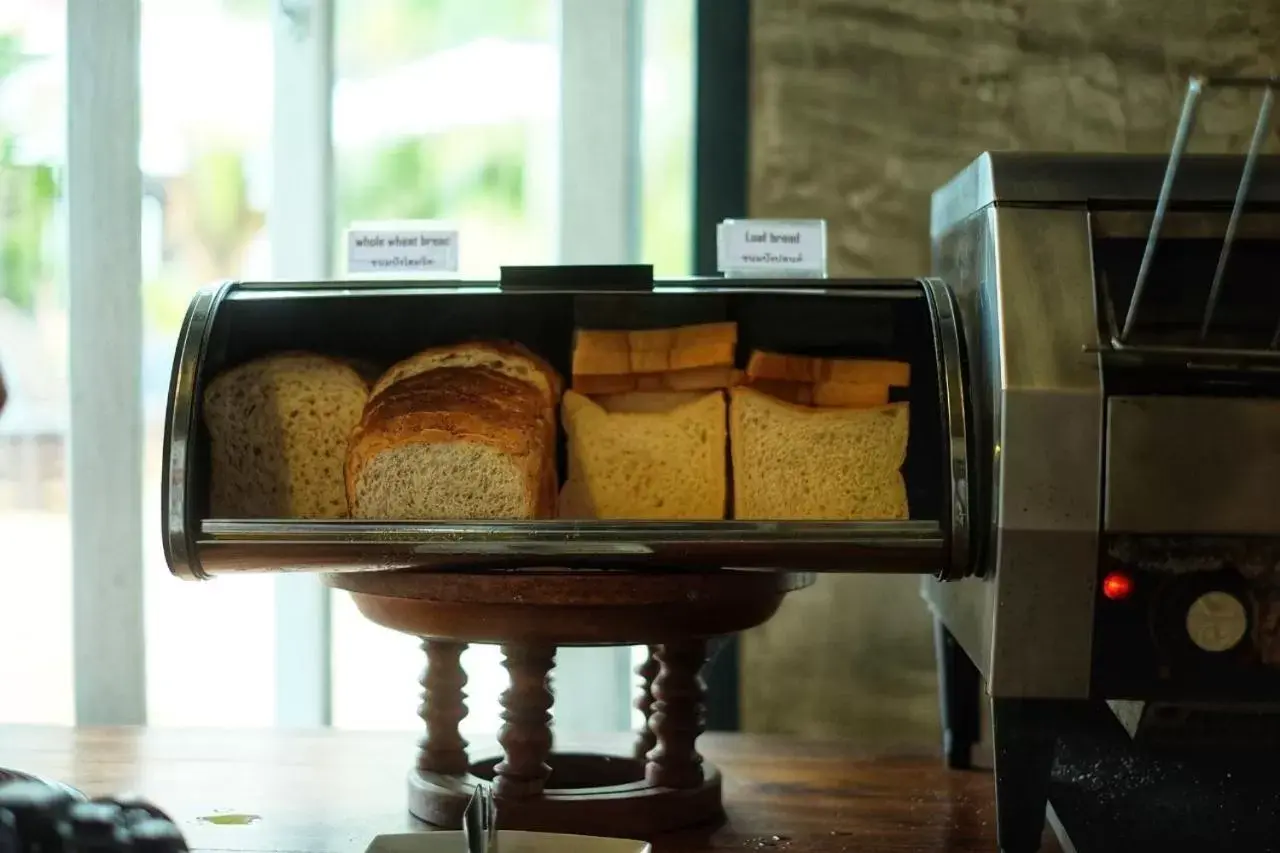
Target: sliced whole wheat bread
[(457, 433), (278, 429)]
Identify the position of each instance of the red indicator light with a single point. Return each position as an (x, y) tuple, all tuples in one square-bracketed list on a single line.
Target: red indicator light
[(1117, 586)]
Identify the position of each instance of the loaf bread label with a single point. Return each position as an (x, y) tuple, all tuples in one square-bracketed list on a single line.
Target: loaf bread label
[(796, 247)]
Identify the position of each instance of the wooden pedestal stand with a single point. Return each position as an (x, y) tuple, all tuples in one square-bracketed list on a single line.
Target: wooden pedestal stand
[(664, 784)]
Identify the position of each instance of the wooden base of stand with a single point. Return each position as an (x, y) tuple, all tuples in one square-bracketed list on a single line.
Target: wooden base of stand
[(665, 785), (587, 794)]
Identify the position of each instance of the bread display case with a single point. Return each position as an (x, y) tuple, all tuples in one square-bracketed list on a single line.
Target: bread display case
[(906, 327), (568, 456)]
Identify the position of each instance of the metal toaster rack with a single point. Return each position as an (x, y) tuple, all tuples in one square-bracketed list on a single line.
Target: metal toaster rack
[(1187, 123)]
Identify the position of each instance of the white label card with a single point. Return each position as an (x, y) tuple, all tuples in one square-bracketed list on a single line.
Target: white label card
[(772, 247), (402, 249)]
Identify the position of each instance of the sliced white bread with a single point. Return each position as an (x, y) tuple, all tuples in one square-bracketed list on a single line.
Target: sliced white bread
[(278, 429), (645, 465), (607, 353), (800, 368), (648, 401), (793, 462), (836, 395)]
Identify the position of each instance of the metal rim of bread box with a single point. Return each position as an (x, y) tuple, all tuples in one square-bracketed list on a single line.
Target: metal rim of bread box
[(199, 548)]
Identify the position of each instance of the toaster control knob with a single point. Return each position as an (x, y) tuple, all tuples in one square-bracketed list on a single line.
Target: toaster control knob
[(1217, 621)]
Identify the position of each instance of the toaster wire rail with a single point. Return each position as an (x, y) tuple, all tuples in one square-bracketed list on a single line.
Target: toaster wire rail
[(1187, 124)]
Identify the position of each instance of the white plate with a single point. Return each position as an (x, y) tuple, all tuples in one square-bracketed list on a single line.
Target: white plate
[(509, 841)]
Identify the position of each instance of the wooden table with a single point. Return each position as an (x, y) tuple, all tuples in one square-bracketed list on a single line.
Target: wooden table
[(332, 791)]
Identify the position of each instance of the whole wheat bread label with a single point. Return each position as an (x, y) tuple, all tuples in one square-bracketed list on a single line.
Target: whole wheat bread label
[(402, 249), (772, 248)]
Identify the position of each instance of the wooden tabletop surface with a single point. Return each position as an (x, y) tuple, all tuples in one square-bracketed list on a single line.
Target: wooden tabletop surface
[(332, 791)]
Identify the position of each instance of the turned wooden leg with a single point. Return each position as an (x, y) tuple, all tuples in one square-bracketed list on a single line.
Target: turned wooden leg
[(647, 671), (678, 715), (525, 735), (442, 749)]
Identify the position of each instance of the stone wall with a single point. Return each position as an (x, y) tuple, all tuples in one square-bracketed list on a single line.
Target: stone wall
[(860, 109)]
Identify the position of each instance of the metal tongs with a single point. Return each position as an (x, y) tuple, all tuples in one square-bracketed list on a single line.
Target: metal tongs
[(480, 821)]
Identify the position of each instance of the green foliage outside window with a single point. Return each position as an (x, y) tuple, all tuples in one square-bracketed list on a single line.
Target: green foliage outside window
[(27, 196)]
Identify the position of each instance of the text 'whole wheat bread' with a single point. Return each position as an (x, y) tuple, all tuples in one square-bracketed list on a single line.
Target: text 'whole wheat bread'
[(278, 429), (795, 463), (457, 433)]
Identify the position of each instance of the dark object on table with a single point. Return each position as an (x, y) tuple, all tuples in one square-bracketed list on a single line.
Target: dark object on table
[(43, 817), (1110, 793), (7, 775), (38, 814)]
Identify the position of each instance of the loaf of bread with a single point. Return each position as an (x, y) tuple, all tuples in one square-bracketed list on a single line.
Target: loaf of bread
[(464, 432), (278, 429), (794, 462), (646, 459)]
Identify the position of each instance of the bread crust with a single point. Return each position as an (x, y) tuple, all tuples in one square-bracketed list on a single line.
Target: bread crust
[(409, 367), (278, 360), (616, 352), (476, 405), (799, 368)]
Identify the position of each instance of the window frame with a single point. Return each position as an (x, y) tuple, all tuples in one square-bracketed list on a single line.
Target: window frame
[(300, 224), (598, 221), (104, 332)]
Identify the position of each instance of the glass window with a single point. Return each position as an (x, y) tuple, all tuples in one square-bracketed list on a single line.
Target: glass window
[(446, 109), (443, 109), (206, 71), (35, 547), (666, 142)]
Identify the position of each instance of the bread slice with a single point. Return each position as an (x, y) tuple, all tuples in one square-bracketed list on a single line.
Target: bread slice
[(648, 401), (612, 353), (454, 442), (796, 368), (691, 379), (849, 395), (844, 395), (798, 463), (645, 465), (278, 429)]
